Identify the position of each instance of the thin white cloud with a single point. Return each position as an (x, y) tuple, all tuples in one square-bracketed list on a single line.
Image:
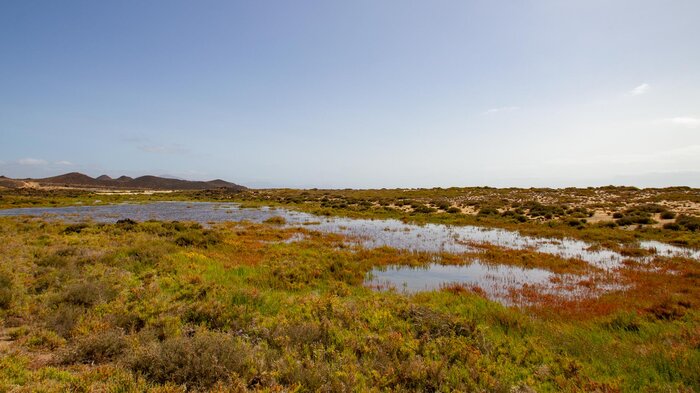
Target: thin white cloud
[(64, 163), (641, 89), (32, 162), (501, 109), (685, 121), (680, 156)]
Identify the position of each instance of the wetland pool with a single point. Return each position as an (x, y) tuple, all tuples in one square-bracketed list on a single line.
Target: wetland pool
[(372, 233)]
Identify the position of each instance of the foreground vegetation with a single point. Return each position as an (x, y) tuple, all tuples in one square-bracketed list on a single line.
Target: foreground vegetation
[(170, 307)]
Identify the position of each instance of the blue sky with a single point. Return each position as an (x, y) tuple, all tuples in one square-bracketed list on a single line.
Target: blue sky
[(354, 94)]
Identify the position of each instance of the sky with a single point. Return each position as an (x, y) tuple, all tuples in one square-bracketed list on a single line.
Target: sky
[(354, 94)]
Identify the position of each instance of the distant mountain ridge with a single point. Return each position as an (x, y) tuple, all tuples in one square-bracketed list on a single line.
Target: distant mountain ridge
[(80, 180)]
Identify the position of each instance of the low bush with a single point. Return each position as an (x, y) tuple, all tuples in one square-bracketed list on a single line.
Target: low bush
[(87, 293), (576, 223), (74, 228), (128, 321), (649, 208), (126, 224), (536, 209), (45, 339), (488, 211), (54, 260), (519, 217), (442, 205), (420, 208), (429, 323), (143, 256), (579, 212), (95, 348), (275, 220), (672, 226), (640, 215), (200, 361), (64, 318), (635, 216), (211, 314), (668, 215), (689, 223), (5, 290), (197, 238)]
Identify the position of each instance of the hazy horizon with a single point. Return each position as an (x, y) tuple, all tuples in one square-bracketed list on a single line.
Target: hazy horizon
[(356, 94)]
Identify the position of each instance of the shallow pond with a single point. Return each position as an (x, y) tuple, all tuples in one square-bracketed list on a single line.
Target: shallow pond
[(510, 285), (369, 233), (495, 281)]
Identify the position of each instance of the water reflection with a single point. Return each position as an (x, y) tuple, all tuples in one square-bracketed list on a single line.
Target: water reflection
[(509, 285), (494, 280)]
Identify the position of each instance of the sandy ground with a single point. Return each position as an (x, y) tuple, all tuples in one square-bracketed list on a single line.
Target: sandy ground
[(600, 216), (98, 191)]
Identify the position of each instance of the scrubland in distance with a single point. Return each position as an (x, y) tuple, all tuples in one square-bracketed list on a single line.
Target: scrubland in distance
[(605, 215)]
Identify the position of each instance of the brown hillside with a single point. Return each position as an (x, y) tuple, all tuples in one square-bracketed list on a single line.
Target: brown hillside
[(79, 180)]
